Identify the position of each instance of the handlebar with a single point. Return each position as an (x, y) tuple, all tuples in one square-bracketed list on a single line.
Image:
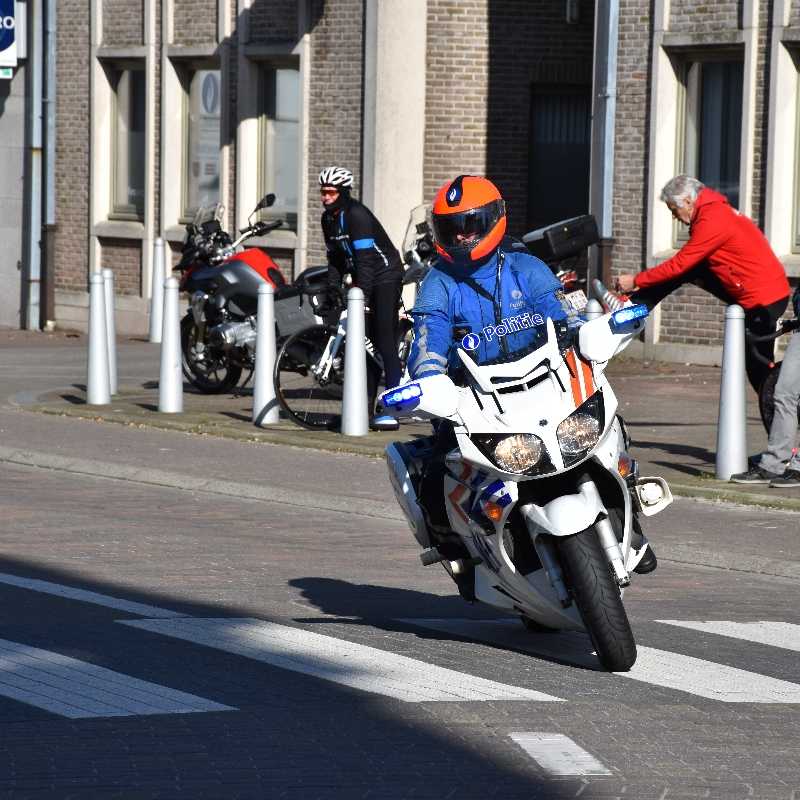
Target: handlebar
[(786, 327), (257, 229)]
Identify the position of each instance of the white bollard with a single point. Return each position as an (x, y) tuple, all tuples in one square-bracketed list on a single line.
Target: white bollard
[(355, 416), (97, 385), (265, 404), (593, 310), (111, 329), (732, 425), (157, 290), (170, 382)]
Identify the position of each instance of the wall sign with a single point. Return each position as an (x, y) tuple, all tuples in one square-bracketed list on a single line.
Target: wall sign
[(8, 30)]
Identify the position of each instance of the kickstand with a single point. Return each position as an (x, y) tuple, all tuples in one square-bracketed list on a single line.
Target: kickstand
[(239, 390)]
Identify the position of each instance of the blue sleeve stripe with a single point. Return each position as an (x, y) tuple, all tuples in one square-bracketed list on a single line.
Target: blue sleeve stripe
[(363, 244)]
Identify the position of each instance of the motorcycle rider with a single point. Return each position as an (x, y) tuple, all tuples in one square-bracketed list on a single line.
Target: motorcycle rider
[(357, 244), (482, 299)]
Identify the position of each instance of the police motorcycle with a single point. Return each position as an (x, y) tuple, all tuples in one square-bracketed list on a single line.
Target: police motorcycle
[(541, 495), (221, 278)]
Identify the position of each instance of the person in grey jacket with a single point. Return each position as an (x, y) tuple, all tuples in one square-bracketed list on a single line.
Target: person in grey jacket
[(779, 465)]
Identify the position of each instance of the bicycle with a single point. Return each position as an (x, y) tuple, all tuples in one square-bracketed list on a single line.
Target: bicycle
[(766, 392), (309, 371)]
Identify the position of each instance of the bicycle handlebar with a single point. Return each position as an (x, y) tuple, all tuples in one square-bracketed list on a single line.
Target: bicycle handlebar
[(786, 327)]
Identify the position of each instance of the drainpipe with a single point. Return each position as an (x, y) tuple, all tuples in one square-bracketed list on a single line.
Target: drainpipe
[(604, 108), (33, 224), (47, 297)]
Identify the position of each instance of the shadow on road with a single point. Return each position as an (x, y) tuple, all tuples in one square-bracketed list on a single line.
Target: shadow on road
[(291, 735)]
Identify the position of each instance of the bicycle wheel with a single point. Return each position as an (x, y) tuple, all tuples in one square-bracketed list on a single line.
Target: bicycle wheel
[(404, 339), (309, 401), (766, 397)]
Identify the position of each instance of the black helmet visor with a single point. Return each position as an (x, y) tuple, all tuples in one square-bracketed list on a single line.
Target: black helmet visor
[(452, 230)]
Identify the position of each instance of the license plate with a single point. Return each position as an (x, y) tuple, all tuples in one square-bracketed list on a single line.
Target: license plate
[(577, 299)]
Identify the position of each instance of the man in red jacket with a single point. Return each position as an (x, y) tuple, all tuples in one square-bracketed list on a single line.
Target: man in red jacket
[(727, 255)]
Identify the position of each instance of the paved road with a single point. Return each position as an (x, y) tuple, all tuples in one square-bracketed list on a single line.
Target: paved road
[(184, 617), (261, 661)]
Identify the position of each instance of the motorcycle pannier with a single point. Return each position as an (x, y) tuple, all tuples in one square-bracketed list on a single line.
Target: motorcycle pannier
[(293, 312), (563, 239)]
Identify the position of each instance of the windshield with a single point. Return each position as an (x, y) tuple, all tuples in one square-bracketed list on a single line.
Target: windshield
[(208, 214), (517, 345), (419, 226)]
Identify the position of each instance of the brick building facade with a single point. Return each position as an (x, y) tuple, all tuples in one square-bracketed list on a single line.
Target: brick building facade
[(506, 87)]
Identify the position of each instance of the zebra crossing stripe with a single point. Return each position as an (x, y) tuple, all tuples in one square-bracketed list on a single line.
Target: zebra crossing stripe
[(558, 755), (775, 634), (86, 596), (78, 690), (337, 660), (653, 666)]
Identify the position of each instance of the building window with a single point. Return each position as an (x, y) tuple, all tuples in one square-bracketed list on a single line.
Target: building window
[(201, 138), (279, 139), (128, 88), (559, 147), (712, 124), (796, 223)]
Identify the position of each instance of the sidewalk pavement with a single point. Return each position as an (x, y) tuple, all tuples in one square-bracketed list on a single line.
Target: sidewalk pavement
[(670, 410)]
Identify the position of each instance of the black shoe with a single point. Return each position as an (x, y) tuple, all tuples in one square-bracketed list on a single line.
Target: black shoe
[(754, 475), (790, 479), (648, 563)]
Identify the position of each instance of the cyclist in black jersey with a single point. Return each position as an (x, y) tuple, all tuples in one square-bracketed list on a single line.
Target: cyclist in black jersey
[(357, 244)]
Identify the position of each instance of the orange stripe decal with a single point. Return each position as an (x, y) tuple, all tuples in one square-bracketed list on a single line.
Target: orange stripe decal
[(577, 395), (588, 378), (457, 493)]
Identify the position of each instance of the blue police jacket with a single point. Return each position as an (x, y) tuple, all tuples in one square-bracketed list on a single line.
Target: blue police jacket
[(518, 292)]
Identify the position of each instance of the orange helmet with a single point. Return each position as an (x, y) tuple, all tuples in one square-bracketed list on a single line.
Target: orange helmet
[(469, 219)]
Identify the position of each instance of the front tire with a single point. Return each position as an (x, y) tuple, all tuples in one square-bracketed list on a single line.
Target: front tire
[(598, 598), (210, 372)]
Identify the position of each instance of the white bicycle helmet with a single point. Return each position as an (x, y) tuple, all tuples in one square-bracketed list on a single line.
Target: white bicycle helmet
[(336, 176)]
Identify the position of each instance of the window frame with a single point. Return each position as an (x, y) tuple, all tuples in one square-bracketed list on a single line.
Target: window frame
[(689, 106), (116, 70), (185, 68), (794, 242), (265, 66)]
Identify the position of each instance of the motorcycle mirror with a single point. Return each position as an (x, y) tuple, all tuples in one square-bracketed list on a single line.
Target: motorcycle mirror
[(265, 202)]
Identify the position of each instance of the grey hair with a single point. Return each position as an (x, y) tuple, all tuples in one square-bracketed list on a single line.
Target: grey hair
[(679, 188)]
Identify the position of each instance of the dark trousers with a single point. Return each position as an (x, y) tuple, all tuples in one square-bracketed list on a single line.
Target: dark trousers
[(382, 331), (758, 321)]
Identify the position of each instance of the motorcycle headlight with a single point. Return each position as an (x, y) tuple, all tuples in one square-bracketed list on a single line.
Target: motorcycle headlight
[(519, 453), (579, 432)]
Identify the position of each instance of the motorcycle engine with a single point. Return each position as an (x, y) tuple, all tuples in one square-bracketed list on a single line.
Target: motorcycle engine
[(230, 335)]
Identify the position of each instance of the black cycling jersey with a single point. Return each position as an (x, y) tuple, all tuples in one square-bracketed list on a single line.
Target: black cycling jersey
[(357, 243)]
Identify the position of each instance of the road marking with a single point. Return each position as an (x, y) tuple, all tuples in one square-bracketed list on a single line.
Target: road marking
[(356, 665), (86, 596), (657, 667), (558, 755), (776, 634), (77, 689)]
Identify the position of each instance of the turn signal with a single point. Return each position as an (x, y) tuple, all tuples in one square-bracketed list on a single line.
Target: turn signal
[(493, 511), (624, 465)]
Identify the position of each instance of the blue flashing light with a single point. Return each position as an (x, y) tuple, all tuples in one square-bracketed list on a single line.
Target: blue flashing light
[(403, 395), (624, 316)]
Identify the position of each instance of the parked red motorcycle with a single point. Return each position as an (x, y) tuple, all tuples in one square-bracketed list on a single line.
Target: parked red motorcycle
[(218, 332)]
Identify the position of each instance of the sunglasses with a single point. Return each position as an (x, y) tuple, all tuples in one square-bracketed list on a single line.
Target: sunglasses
[(325, 191)]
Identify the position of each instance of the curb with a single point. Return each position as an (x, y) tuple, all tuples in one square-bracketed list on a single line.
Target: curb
[(176, 480), (371, 447)]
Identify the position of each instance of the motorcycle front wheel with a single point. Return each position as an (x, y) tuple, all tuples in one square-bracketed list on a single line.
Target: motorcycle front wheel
[(309, 401), (598, 598), (206, 370)]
